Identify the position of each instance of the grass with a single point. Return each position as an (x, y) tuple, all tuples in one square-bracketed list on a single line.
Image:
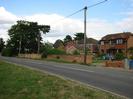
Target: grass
[(18, 82)]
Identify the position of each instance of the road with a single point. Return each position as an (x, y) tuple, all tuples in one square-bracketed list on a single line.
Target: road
[(112, 80)]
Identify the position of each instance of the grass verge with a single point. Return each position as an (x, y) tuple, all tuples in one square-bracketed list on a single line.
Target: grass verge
[(18, 82)]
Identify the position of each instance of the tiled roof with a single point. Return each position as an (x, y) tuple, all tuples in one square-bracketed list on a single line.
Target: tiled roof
[(88, 41), (117, 35)]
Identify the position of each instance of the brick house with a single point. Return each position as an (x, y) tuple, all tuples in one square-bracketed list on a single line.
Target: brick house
[(114, 43), (91, 44), (70, 47)]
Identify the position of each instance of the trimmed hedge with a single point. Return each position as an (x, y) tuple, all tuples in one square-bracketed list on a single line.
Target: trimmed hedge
[(52, 52)]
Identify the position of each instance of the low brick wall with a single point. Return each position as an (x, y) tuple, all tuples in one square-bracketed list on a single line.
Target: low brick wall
[(114, 64), (72, 58), (30, 56)]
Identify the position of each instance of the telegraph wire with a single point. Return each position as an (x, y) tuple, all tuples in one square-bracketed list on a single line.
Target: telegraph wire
[(93, 5)]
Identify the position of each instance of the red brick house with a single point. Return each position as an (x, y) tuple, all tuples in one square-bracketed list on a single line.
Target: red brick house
[(91, 44), (114, 43), (70, 47)]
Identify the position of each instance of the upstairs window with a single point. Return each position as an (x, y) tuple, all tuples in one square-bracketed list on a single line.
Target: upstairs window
[(102, 42), (119, 41)]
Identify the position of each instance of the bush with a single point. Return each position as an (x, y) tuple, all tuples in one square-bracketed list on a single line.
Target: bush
[(55, 52), (7, 52), (44, 54), (47, 52), (57, 57), (119, 56), (131, 57), (76, 52)]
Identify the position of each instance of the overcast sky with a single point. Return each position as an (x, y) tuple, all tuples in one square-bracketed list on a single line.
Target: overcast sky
[(113, 16)]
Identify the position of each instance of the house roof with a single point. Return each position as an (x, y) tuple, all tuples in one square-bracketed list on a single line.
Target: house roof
[(88, 41), (124, 35)]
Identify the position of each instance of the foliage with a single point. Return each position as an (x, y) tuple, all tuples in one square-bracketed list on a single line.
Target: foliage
[(131, 57), (76, 52), (79, 36), (119, 56), (1, 44), (58, 43), (28, 34), (8, 52), (52, 51), (131, 52), (45, 49), (56, 52), (68, 38)]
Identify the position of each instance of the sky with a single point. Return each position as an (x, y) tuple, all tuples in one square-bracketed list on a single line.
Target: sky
[(113, 16)]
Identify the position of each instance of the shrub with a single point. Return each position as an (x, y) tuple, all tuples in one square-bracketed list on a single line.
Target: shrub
[(131, 57), (44, 54), (47, 52), (119, 56), (76, 52), (56, 52), (7, 52), (57, 57)]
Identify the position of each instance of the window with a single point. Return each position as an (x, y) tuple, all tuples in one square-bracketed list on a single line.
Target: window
[(110, 42), (119, 41), (102, 42)]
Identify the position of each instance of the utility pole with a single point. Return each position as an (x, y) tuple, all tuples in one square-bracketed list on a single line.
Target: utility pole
[(20, 44), (38, 51), (85, 52)]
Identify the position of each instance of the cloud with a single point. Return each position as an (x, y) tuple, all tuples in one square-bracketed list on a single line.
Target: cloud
[(127, 23), (6, 20), (6, 17), (61, 26)]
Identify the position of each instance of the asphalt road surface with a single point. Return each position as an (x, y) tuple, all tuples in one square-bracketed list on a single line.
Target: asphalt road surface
[(114, 80)]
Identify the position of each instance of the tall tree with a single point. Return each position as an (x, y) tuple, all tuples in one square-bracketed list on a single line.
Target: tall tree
[(79, 36), (59, 44), (26, 36), (68, 38), (1, 44)]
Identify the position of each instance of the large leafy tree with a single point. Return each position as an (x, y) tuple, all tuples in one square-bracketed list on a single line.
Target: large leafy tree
[(1, 44), (79, 36), (27, 36), (68, 38)]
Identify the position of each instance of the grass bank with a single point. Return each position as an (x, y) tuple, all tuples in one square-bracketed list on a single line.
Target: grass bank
[(18, 82)]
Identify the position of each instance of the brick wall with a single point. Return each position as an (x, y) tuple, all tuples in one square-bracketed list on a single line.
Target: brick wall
[(31, 56), (72, 58), (114, 64)]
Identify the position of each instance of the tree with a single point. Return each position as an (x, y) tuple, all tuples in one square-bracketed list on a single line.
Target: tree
[(45, 47), (68, 38), (59, 44), (1, 44), (26, 36), (79, 36)]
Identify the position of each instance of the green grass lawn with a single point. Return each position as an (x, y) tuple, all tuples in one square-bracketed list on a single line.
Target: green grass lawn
[(18, 82)]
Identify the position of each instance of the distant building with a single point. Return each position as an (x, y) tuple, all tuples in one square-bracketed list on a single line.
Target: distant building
[(114, 43), (70, 47), (91, 45)]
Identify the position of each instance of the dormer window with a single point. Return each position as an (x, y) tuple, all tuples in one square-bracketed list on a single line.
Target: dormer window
[(119, 41)]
